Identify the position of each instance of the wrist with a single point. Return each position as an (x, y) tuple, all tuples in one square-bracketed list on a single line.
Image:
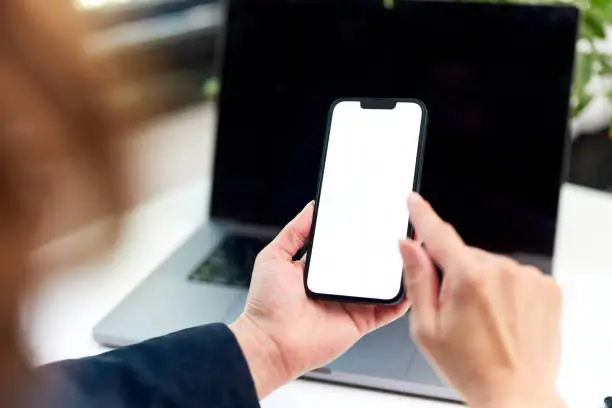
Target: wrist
[(262, 356)]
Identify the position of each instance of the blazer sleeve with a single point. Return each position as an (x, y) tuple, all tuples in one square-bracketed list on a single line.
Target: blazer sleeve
[(198, 367)]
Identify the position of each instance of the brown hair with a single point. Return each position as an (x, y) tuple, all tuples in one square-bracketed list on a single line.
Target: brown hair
[(58, 146)]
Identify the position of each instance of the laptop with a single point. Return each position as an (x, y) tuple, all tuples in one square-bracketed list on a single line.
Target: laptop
[(496, 81)]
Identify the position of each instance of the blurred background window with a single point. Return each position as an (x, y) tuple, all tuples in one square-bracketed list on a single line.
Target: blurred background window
[(169, 46)]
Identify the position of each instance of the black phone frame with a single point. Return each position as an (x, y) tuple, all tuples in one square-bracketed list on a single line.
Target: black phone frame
[(382, 103)]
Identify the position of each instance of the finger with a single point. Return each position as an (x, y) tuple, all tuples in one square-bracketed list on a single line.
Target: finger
[(295, 234), (443, 243), (384, 315), (421, 285), (368, 318)]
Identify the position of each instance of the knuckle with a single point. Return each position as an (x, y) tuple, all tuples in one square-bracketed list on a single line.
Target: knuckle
[(473, 281), (509, 265), (531, 271), (480, 255), (509, 268)]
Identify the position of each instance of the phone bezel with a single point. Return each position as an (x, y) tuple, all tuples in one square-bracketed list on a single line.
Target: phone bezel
[(416, 187)]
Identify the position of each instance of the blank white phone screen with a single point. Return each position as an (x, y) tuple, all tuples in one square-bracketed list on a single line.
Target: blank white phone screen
[(362, 214)]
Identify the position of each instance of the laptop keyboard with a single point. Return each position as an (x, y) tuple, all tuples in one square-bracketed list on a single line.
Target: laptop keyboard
[(231, 263)]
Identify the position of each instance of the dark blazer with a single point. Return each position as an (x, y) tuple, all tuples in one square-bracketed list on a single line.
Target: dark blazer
[(201, 367)]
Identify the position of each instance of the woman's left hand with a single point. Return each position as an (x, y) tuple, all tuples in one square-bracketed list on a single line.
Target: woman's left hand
[(283, 333)]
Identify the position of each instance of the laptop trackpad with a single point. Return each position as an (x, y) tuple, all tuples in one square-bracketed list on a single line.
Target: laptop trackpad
[(387, 353), (421, 372)]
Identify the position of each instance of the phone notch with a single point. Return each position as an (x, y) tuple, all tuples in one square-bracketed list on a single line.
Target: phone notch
[(387, 104)]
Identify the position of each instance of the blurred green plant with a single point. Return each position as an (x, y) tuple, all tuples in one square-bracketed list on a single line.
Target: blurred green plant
[(591, 62), (211, 88)]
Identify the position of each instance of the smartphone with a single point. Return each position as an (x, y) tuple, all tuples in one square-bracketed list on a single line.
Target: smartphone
[(372, 160)]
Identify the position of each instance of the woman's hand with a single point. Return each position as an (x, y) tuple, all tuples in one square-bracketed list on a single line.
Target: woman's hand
[(492, 328), (285, 334)]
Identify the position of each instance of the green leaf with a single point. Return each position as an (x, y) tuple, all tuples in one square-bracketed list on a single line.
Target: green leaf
[(583, 72), (582, 102), (609, 96), (604, 15), (606, 66), (592, 26), (603, 8)]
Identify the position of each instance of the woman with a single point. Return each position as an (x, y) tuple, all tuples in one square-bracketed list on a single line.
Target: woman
[(491, 328)]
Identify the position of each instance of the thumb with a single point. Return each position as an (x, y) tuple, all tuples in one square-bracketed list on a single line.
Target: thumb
[(421, 287), (295, 234)]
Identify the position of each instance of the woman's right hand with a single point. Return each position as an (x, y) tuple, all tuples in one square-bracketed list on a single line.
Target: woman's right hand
[(493, 327)]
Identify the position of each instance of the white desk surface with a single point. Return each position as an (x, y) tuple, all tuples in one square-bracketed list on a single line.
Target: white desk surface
[(60, 318)]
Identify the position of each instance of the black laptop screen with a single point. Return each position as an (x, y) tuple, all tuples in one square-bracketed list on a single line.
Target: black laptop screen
[(495, 80)]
